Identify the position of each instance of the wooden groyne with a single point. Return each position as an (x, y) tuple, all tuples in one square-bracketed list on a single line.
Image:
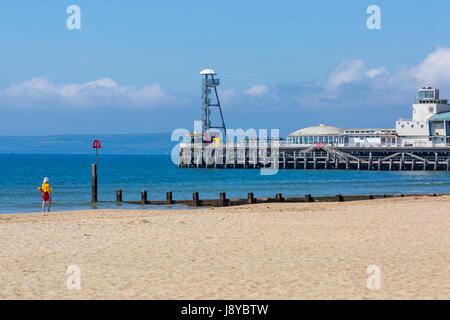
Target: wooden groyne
[(223, 201), (316, 157)]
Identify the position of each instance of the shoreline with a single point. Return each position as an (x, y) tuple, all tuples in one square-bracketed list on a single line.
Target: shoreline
[(259, 251), (177, 205)]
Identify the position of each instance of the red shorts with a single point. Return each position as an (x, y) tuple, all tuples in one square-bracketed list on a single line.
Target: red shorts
[(46, 196)]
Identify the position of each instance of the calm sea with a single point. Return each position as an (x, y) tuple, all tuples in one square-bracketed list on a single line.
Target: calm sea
[(70, 176)]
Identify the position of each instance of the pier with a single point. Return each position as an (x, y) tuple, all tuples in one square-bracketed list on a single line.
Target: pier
[(421, 143), (316, 157)]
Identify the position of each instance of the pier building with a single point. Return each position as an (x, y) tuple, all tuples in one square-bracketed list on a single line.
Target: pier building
[(429, 127)]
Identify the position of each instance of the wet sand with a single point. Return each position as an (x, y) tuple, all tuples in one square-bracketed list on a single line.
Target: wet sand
[(261, 251)]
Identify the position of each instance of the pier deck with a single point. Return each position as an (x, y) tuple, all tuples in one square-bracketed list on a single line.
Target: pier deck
[(320, 156)]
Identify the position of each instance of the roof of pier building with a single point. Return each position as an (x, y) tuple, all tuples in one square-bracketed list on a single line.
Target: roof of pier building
[(443, 116), (208, 71), (320, 130)]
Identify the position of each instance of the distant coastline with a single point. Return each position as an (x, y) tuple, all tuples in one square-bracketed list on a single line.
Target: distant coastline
[(149, 143)]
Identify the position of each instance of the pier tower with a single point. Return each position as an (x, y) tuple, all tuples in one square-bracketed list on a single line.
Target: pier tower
[(210, 83), (429, 104)]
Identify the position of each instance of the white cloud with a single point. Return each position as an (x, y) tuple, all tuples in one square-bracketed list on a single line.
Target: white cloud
[(227, 95), (101, 92), (372, 73), (346, 71), (256, 97), (350, 83), (351, 71), (435, 69), (257, 91)]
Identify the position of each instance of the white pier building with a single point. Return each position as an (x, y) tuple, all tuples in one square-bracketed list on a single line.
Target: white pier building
[(429, 127)]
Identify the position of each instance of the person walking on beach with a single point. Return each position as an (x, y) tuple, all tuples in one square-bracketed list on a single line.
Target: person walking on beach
[(46, 194)]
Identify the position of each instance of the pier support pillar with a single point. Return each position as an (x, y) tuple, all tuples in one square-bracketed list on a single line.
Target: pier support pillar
[(246, 158), (189, 163), (379, 164), (390, 164), (436, 161)]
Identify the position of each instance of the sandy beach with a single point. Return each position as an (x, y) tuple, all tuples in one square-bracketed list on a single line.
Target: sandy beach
[(262, 251)]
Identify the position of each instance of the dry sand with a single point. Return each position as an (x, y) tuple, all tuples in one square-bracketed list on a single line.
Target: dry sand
[(263, 251)]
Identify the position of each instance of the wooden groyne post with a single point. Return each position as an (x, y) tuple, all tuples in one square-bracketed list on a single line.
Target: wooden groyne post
[(223, 199), (96, 145), (94, 183), (250, 198), (118, 195), (195, 199), (143, 197), (169, 197)]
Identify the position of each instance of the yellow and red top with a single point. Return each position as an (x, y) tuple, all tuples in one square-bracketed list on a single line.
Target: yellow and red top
[(45, 188)]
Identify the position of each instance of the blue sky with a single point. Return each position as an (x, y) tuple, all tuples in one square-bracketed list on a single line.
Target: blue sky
[(133, 67)]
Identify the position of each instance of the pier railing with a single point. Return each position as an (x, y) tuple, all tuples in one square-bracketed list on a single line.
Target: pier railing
[(286, 144)]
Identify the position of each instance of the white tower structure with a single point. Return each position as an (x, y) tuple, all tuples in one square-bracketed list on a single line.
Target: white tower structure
[(428, 104), (430, 120), (210, 82)]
